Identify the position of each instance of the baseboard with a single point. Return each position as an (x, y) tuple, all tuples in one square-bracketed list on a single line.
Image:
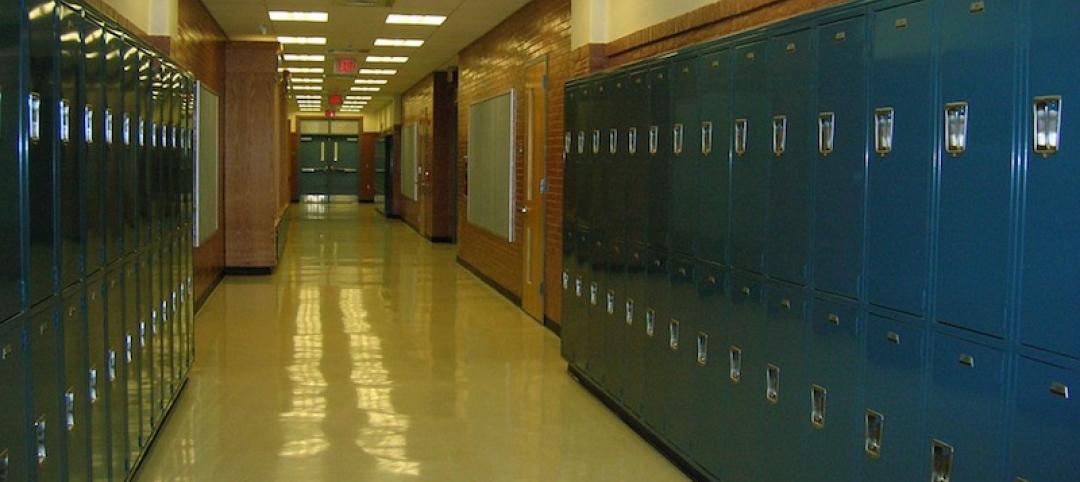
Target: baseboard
[(249, 270), (442, 239), (367, 201), (553, 327), (490, 282), (200, 301)]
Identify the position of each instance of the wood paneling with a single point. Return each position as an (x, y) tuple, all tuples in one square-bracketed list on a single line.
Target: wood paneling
[(366, 179)]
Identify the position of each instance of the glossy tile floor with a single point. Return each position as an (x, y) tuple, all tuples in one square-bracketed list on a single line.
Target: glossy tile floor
[(371, 355)]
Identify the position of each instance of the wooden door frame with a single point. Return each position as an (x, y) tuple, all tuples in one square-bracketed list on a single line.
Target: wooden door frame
[(536, 140)]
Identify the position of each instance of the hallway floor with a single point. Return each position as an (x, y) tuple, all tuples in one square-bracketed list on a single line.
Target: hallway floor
[(371, 355)]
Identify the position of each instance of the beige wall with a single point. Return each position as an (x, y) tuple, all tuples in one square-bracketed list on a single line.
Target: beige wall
[(601, 21), (155, 17), (384, 119)]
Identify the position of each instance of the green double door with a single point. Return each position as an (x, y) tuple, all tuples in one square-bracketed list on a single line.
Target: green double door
[(329, 165)]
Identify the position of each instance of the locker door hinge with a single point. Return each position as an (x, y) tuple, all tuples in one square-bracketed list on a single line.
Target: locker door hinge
[(543, 186)]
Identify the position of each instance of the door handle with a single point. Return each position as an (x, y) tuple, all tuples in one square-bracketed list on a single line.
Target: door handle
[(322, 151), (308, 170), (335, 151), (348, 170), (524, 210)]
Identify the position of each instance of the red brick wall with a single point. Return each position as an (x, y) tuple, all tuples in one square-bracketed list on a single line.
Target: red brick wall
[(493, 65)]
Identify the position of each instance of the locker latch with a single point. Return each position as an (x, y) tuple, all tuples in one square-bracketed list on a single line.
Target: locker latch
[(594, 294), (654, 139), (35, 116), (875, 429), (69, 409), (581, 142), (702, 348), (629, 312), (108, 127), (779, 129), (613, 141), (5, 463), (942, 461), (826, 132), (735, 364), (817, 406), (112, 366), (772, 383), (1047, 124), (596, 141), (883, 128), (65, 121), (39, 437), (93, 396), (611, 302), (650, 322), (956, 120), (125, 130), (673, 334), (741, 125), (631, 141), (565, 281), (706, 138), (677, 139), (1060, 389), (566, 143)]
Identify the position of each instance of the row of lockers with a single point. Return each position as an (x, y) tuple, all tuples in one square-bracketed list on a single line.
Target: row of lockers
[(96, 312), (850, 203)]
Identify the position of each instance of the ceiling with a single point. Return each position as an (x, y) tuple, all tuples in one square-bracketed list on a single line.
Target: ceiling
[(353, 29)]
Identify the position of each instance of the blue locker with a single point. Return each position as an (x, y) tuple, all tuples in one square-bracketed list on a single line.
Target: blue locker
[(1044, 436), (975, 231), (791, 87), (714, 170), (659, 148), (131, 358), (72, 97), (15, 449), (966, 412), (899, 184), (114, 152), (893, 444), (744, 358), (93, 114), (1048, 303), (638, 159), (751, 138), (679, 333), (785, 392), (685, 154), (841, 164), (98, 377), (634, 336), (76, 383), (42, 149), (116, 395), (656, 306), (46, 399), (711, 412), (834, 442)]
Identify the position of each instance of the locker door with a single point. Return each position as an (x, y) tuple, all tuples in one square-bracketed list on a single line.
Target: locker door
[(42, 149), (76, 384), (637, 159), (570, 107), (133, 95), (611, 321), (834, 442), (145, 164), (613, 167), (679, 335), (585, 160), (685, 154), (791, 87), (711, 409), (750, 143), (977, 169), (98, 377), (147, 379), (967, 408), (659, 174), (784, 398), (12, 103), (714, 172), (116, 398), (1044, 436), (93, 164), (72, 97), (15, 452), (579, 285), (114, 152), (47, 417), (893, 445), (657, 315), (597, 362), (156, 162), (840, 168), (744, 359), (570, 323), (130, 359), (634, 337), (1047, 309), (900, 171)]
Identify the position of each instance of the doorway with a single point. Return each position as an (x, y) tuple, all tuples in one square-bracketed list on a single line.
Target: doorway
[(532, 298), (328, 158)]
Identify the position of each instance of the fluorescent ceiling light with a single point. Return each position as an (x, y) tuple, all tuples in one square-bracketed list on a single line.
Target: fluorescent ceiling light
[(398, 42), (282, 16), (380, 59), (306, 80), (377, 71), (309, 97), (305, 70), (305, 58), (372, 81), (357, 97), (399, 19), (302, 40), (365, 89), (307, 87)]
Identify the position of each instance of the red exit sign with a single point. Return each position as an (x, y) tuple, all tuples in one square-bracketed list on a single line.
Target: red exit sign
[(345, 66)]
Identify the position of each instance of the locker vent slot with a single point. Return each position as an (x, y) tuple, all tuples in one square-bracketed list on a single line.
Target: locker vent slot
[(875, 429), (702, 348), (631, 140), (1047, 124), (956, 121), (772, 383), (741, 125), (883, 128), (35, 116), (942, 461), (69, 409), (735, 364), (817, 406), (673, 334), (826, 132), (39, 437), (650, 322), (629, 312)]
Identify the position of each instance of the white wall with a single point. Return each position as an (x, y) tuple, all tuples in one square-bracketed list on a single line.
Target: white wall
[(155, 17), (602, 21)]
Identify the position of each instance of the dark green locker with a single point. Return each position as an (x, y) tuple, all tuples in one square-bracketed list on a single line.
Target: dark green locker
[(131, 359), (633, 307), (47, 416), (787, 384), (659, 148), (72, 97), (714, 172), (894, 447), (145, 164), (158, 333), (579, 299), (686, 154), (791, 89), (744, 359), (1047, 307), (834, 441), (975, 186), (751, 138), (840, 169), (899, 185), (133, 104), (42, 149), (656, 315), (1044, 436), (12, 103), (611, 321), (612, 159), (569, 323), (93, 165), (156, 160), (597, 361), (76, 403), (98, 376), (114, 152), (966, 411), (583, 169), (147, 380), (636, 164), (15, 450), (169, 318), (678, 331), (711, 415), (116, 397)]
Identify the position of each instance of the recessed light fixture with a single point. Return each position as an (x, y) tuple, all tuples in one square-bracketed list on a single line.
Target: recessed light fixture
[(365, 89), (399, 19), (306, 80), (307, 87), (380, 59), (302, 40), (357, 97), (305, 70), (283, 16), (377, 71), (308, 96), (398, 42), (372, 81), (304, 58)]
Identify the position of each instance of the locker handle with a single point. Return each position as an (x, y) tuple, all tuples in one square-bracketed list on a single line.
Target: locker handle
[(785, 303), (322, 151), (613, 141), (677, 139), (702, 348), (1060, 389), (111, 369), (735, 364), (706, 138), (741, 126), (650, 323), (596, 141), (581, 142), (632, 140), (88, 123), (779, 134), (128, 349), (834, 319), (673, 334), (874, 433), (817, 406), (566, 143), (956, 121), (594, 294), (93, 379), (141, 133), (39, 437), (109, 127), (884, 119), (335, 151), (5, 464), (142, 334), (69, 409), (746, 291), (711, 280), (772, 383), (565, 280), (942, 461), (654, 139), (577, 287), (1047, 124), (35, 116), (125, 132), (611, 302), (629, 312), (893, 337), (826, 132), (967, 360), (65, 121)]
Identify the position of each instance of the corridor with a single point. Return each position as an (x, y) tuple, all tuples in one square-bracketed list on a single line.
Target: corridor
[(371, 355)]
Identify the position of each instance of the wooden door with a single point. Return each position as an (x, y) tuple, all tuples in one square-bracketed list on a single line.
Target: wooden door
[(532, 297)]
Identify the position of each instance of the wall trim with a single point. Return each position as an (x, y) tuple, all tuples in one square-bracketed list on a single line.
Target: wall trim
[(490, 282)]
